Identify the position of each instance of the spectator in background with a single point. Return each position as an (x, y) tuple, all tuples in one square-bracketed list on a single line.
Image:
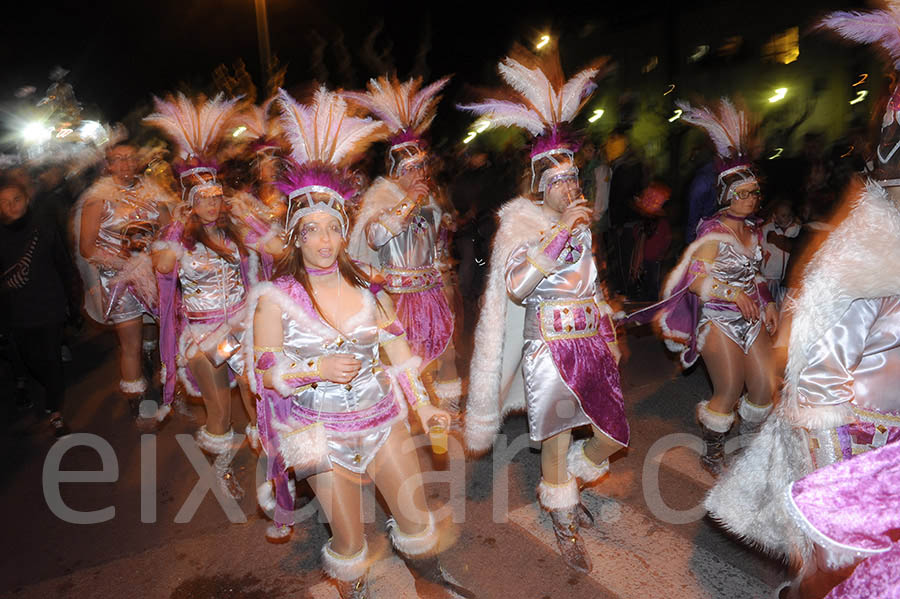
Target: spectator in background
[(595, 178), (652, 238), (778, 235), (37, 290), (626, 183), (701, 198)]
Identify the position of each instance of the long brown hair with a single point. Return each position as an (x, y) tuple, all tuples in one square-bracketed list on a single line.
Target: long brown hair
[(291, 264), (195, 232)]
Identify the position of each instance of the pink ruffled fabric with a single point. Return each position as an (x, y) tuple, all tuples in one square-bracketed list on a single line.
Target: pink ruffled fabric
[(855, 505), (428, 322)]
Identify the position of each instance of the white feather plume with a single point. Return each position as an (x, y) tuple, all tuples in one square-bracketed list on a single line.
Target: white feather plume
[(728, 129), (542, 107), (880, 27), (401, 106), (193, 129), (323, 131), (256, 120)]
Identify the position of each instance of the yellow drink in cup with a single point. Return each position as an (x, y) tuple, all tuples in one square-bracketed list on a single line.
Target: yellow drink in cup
[(437, 434)]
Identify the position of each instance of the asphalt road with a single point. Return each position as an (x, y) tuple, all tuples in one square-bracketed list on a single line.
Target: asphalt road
[(651, 540)]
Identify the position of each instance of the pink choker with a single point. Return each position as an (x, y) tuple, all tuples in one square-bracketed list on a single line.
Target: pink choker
[(733, 217), (318, 272)]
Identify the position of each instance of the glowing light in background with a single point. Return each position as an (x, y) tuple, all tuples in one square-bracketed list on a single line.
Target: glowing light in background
[(780, 93), (862, 79), (860, 96), (596, 116), (35, 133), (545, 39), (670, 89), (239, 131), (699, 52), (676, 116), (90, 129), (64, 133), (777, 153), (482, 125), (470, 137)]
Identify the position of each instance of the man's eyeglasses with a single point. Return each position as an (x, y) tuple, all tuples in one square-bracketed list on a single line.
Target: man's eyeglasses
[(746, 193)]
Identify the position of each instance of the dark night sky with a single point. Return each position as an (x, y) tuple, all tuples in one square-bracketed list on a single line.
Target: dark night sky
[(120, 52)]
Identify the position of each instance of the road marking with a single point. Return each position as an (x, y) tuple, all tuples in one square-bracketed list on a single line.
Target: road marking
[(635, 557)]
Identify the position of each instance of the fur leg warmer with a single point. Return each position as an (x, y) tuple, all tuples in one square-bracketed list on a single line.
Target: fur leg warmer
[(345, 568), (581, 466), (753, 413), (415, 545), (133, 387), (714, 421), (559, 497), (214, 444)]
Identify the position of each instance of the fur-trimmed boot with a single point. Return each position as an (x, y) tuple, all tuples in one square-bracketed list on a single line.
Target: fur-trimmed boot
[(587, 472), (752, 416), (349, 573), (222, 447), (449, 394), (419, 551), (252, 432), (561, 502), (134, 392), (714, 426)]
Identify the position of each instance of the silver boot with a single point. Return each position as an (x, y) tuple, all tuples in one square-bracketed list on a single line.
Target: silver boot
[(562, 503)]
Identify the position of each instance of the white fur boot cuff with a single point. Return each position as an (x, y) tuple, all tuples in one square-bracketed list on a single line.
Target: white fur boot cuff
[(558, 497), (343, 568), (416, 545), (715, 421), (581, 466), (750, 412)]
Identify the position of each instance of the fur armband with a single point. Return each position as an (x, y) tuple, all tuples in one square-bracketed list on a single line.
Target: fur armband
[(406, 376)]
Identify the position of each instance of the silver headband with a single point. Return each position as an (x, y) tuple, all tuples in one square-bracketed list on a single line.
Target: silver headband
[(293, 216), (202, 187), (551, 154), (416, 156)]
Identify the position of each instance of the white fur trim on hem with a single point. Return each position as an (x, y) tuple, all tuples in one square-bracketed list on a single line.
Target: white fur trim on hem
[(346, 569), (417, 545), (581, 466), (716, 421), (558, 497), (133, 387), (816, 418), (174, 246), (750, 412), (305, 449)]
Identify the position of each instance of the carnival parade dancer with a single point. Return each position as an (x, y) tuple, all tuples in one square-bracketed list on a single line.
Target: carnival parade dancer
[(839, 396), (716, 302), (400, 226), (331, 410), (114, 223), (564, 337), (205, 266)]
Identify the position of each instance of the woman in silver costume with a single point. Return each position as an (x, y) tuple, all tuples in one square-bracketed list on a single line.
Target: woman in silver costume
[(564, 339), (402, 228), (115, 221), (332, 410), (716, 302)]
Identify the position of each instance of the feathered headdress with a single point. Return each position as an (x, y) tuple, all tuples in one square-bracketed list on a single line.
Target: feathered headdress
[(260, 126), (541, 108), (407, 111), (324, 140), (195, 129), (881, 28), (729, 131)]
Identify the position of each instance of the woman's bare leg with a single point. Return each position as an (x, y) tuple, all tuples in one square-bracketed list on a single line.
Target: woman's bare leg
[(396, 473), (213, 385), (340, 494), (129, 334)]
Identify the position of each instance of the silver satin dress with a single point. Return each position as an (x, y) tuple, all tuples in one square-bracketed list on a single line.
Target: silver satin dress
[(117, 216), (552, 406), (735, 268), (358, 416), (212, 292)]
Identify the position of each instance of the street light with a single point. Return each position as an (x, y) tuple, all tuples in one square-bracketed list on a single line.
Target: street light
[(780, 93), (35, 133), (469, 137), (545, 39), (860, 96)]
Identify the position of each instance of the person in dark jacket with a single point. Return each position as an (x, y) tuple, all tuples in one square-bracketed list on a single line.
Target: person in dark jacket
[(36, 280)]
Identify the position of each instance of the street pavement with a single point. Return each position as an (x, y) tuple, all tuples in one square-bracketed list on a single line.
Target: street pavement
[(651, 541)]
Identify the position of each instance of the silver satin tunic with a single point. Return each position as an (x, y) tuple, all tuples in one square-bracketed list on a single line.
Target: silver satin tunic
[(739, 270), (326, 401), (552, 406), (857, 360), (116, 216), (212, 291), (411, 248)]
